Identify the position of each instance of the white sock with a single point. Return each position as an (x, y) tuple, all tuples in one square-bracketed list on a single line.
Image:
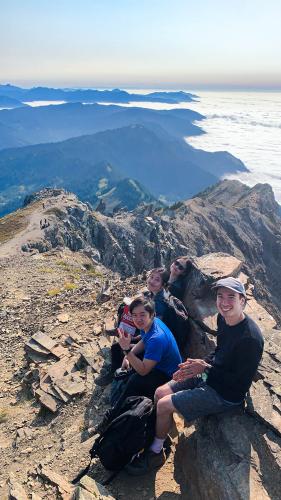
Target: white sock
[(157, 445)]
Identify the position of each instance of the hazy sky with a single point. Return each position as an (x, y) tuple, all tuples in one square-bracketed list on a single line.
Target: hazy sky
[(141, 43)]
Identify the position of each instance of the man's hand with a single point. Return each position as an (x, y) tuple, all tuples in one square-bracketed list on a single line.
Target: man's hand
[(189, 369), (124, 339)]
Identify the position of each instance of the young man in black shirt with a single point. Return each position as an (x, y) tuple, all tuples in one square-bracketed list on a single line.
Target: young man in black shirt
[(219, 383)]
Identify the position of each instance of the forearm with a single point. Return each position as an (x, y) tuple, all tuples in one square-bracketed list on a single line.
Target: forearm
[(138, 348), (136, 363)]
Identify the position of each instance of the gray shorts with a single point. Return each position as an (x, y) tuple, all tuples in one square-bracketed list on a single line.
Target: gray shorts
[(193, 398)]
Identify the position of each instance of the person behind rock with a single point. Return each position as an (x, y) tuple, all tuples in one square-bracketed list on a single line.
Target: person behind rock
[(179, 270), (218, 384), (161, 356)]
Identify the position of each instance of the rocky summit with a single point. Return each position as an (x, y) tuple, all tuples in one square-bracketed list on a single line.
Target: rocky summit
[(64, 270)]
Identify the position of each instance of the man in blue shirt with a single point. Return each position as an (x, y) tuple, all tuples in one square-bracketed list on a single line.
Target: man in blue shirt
[(161, 356)]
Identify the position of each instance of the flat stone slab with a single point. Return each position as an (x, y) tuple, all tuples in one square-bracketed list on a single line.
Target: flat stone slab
[(71, 384), (218, 265), (44, 340), (37, 348), (63, 486), (47, 400)]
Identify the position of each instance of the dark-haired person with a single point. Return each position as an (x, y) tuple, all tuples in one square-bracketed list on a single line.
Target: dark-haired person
[(156, 282), (202, 388), (179, 270), (161, 356)]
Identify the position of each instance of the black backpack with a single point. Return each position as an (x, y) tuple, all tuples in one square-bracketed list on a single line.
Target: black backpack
[(126, 430), (176, 319)]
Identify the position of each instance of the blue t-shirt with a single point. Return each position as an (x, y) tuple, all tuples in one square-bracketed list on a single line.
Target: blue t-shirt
[(160, 346)]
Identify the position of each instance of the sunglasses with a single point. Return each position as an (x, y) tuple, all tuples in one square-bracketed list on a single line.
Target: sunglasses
[(179, 265)]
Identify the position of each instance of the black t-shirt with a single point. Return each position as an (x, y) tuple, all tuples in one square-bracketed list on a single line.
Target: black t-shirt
[(236, 358)]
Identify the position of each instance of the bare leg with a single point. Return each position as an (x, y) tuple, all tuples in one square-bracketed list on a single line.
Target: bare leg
[(164, 421), (163, 390)]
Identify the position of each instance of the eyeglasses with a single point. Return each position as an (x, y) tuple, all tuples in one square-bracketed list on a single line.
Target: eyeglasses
[(179, 265)]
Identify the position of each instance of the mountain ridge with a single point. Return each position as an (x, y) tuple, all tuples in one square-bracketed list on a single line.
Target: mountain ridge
[(165, 166), (245, 223), (55, 123)]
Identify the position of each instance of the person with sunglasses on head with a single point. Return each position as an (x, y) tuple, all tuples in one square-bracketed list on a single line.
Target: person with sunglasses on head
[(214, 385), (179, 270)]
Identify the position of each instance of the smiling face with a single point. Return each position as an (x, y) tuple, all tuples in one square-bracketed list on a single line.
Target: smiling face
[(230, 305), (154, 282), (142, 318)]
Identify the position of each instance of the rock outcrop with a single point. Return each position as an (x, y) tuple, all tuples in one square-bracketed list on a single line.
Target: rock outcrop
[(229, 217), (234, 456), (53, 329), (56, 302)]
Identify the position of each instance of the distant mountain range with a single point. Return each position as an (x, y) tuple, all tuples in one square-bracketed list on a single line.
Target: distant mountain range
[(91, 95), (35, 125), (10, 102), (92, 165)]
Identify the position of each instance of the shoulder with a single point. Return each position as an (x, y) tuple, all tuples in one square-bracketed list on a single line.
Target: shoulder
[(220, 322), (252, 330)]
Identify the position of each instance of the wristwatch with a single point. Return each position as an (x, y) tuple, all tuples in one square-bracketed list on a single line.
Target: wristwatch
[(205, 374), (126, 351)]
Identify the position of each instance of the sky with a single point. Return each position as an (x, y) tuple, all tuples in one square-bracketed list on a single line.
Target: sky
[(187, 44)]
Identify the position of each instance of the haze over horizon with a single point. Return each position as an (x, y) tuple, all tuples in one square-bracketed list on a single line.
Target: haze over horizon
[(211, 45)]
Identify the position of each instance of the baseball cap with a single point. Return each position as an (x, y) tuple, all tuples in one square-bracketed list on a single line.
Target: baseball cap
[(231, 283)]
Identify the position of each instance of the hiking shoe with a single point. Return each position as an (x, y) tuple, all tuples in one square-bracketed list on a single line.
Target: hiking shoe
[(146, 462)]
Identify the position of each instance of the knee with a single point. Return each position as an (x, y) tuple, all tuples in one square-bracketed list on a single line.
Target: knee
[(161, 392), (165, 406)]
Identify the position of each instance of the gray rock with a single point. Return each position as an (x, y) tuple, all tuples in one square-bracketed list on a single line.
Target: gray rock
[(16, 490)]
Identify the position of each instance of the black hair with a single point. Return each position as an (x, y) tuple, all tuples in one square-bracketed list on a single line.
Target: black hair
[(188, 264), (164, 274), (147, 303)]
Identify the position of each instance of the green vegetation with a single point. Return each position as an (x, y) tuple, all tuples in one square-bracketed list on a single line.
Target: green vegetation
[(46, 270), (53, 292), (91, 269), (70, 286)]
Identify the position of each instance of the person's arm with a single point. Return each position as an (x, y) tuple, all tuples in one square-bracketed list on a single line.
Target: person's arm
[(142, 367), (138, 348), (190, 368)]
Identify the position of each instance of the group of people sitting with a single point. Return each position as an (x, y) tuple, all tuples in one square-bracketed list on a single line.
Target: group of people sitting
[(194, 387)]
